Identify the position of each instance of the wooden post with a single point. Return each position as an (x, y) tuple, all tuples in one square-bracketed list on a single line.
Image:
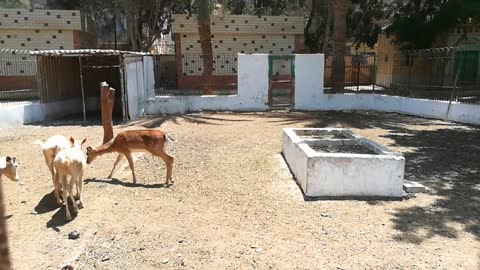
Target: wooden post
[(108, 100), (4, 252)]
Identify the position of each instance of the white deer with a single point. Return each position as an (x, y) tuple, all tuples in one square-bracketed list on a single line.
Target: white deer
[(50, 148), (8, 167), (69, 165)]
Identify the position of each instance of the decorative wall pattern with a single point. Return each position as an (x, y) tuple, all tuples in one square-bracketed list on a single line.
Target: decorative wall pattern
[(38, 29), (234, 34), (30, 29)]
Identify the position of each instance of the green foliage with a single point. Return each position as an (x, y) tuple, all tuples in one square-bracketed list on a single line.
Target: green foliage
[(362, 26), (416, 24), (14, 4)]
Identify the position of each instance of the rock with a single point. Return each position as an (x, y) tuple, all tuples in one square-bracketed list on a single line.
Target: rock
[(165, 261), (413, 187), (23, 202), (180, 241), (67, 267), (105, 258), (258, 250), (324, 215), (73, 235), (253, 246)]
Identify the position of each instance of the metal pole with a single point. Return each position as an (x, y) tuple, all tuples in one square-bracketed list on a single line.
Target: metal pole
[(374, 73), (358, 73), (81, 87), (454, 85)]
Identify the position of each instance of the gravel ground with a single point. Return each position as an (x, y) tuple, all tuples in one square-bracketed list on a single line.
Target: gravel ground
[(235, 205)]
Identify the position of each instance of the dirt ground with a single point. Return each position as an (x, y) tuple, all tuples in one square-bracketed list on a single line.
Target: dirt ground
[(235, 205)]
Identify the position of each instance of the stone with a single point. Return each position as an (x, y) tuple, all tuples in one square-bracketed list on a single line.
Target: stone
[(73, 235), (165, 261), (413, 187), (105, 258)]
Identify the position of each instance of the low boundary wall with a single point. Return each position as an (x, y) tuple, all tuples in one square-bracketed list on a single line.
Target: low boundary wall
[(309, 95)]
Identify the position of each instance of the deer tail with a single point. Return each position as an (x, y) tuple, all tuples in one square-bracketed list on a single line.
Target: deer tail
[(168, 138)]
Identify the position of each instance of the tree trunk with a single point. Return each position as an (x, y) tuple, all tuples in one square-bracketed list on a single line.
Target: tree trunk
[(206, 44), (328, 24), (107, 95), (340, 10), (4, 251)]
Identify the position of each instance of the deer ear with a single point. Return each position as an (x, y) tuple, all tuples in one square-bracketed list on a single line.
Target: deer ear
[(8, 159), (72, 140), (84, 140)]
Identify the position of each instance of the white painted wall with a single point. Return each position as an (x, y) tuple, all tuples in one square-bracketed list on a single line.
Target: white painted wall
[(463, 113), (309, 74), (252, 92), (34, 112), (139, 84), (309, 70), (148, 77), (309, 96)]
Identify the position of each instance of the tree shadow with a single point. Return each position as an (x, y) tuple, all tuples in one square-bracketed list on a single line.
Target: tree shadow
[(93, 119), (115, 181), (446, 161), (203, 118), (443, 156)]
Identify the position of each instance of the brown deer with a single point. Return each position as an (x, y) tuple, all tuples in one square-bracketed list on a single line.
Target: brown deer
[(146, 140)]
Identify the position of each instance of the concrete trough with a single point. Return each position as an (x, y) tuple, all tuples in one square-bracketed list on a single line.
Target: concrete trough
[(335, 162)]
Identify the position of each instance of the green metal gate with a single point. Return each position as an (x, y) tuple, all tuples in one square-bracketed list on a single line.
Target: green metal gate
[(281, 89)]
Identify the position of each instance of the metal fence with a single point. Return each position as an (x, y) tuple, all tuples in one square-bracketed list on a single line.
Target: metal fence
[(438, 74), (360, 72), (18, 77)]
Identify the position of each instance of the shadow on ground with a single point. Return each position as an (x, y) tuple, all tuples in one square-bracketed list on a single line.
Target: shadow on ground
[(114, 181), (205, 118), (47, 203), (441, 155)]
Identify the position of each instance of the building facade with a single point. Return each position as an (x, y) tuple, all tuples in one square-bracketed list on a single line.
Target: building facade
[(233, 34)]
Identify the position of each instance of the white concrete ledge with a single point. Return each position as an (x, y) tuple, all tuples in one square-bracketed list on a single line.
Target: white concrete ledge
[(31, 112), (321, 174)]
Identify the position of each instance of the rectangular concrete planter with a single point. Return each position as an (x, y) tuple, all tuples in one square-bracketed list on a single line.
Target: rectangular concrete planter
[(327, 174)]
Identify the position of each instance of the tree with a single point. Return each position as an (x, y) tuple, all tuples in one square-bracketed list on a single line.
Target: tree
[(147, 19), (362, 21), (430, 18), (14, 4), (204, 8), (340, 9)]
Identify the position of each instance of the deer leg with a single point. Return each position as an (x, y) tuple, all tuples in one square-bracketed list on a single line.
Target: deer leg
[(130, 162), (56, 182), (58, 187), (168, 163), (65, 199), (119, 158), (70, 193), (79, 189)]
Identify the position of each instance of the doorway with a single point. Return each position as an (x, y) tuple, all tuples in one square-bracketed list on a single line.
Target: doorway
[(281, 81)]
